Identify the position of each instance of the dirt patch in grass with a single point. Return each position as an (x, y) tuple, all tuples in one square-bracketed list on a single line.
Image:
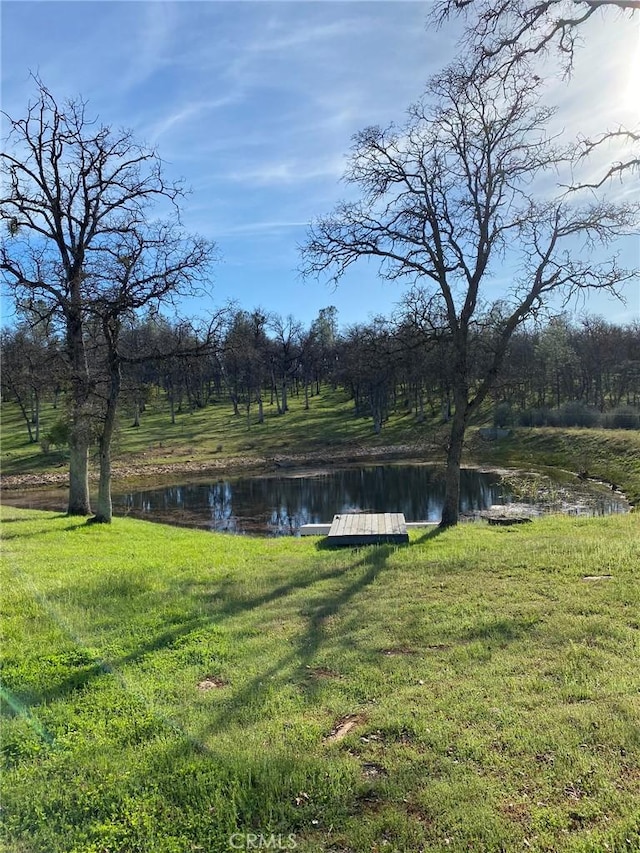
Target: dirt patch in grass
[(343, 727), (518, 813), (318, 672), (371, 770), (211, 682)]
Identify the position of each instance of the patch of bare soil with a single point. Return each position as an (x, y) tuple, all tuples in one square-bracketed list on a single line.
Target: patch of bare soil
[(343, 727), (34, 481), (211, 682), (322, 672), (371, 770)]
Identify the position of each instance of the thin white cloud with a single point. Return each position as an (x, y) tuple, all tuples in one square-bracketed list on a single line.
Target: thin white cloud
[(187, 114), (281, 36), (153, 33), (255, 103), (287, 172), (265, 228)]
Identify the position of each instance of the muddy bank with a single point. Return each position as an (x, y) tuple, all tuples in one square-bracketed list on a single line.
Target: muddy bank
[(126, 470)]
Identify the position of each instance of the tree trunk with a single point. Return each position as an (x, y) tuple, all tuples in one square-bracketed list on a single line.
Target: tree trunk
[(451, 507), (80, 429), (25, 414), (37, 415), (79, 503), (104, 512), (274, 390)]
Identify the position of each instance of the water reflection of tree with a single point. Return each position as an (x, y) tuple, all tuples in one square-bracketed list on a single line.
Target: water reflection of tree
[(281, 505)]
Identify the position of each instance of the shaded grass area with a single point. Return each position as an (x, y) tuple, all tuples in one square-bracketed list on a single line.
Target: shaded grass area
[(164, 689)]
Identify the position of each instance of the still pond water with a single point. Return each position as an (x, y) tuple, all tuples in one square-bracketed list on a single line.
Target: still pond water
[(280, 505)]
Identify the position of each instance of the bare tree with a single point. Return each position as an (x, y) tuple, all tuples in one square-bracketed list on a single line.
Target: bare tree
[(30, 362), (76, 200), (143, 267), (510, 33), (285, 352), (448, 197)]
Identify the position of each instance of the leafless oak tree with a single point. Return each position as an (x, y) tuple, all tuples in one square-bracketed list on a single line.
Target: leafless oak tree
[(503, 35), (76, 204), (453, 196), (510, 31)]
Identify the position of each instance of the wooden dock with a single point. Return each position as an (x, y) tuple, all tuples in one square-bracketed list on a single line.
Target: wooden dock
[(368, 528)]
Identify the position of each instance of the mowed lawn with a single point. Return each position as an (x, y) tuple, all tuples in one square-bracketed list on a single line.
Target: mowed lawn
[(170, 691)]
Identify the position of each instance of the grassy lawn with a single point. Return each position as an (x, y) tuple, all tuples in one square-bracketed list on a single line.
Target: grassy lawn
[(171, 691)]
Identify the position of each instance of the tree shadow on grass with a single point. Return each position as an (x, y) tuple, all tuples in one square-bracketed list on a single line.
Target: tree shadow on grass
[(84, 666), (222, 603), (41, 531), (431, 534), (325, 545), (502, 630), (255, 692)]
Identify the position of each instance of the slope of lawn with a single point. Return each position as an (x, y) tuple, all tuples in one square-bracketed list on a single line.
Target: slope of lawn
[(171, 691), (214, 433)]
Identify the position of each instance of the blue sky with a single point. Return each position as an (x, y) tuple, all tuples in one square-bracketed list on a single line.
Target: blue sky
[(254, 104)]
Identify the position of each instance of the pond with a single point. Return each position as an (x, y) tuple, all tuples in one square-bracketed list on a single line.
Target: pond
[(281, 504)]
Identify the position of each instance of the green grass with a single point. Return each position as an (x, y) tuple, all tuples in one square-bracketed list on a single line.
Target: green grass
[(494, 692), (215, 432)]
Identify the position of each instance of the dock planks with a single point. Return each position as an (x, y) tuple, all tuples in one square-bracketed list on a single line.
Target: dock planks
[(368, 528)]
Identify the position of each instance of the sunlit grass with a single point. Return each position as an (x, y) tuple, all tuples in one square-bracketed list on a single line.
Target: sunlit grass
[(494, 691), (214, 432)]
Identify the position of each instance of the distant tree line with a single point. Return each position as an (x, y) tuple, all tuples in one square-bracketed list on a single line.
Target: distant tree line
[(562, 373)]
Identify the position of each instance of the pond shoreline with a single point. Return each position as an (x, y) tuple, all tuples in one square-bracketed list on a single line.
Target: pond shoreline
[(46, 490), (311, 463), (123, 471)]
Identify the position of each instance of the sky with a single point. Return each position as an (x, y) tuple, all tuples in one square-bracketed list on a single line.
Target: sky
[(254, 105)]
